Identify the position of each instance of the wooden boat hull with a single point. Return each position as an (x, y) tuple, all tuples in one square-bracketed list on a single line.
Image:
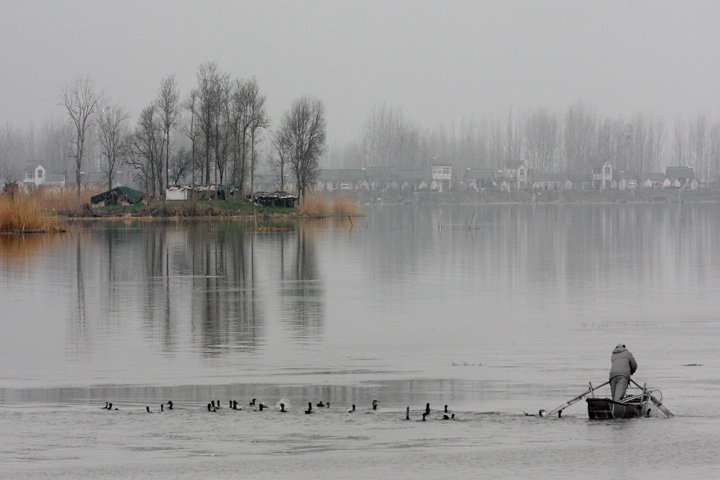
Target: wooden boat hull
[(605, 408)]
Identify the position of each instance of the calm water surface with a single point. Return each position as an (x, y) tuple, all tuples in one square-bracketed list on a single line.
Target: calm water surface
[(493, 310)]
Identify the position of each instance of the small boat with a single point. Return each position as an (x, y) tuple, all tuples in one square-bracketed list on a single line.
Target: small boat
[(605, 408)]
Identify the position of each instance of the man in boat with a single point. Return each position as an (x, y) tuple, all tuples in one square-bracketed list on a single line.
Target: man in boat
[(623, 365)]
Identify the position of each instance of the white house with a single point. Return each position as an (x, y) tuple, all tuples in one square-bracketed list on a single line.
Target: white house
[(441, 178), (517, 173), (602, 176), (34, 176), (37, 176)]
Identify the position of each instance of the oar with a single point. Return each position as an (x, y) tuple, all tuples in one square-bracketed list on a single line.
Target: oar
[(657, 402), (573, 400)]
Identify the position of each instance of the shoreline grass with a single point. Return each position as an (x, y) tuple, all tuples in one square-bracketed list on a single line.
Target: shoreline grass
[(344, 205), (26, 214), (320, 205)]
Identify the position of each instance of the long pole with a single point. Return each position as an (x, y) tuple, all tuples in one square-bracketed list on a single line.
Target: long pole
[(657, 402), (573, 400)]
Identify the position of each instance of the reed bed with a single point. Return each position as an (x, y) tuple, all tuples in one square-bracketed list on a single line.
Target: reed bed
[(25, 213), (320, 205), (315, 205), (344, 205), (63, 199)]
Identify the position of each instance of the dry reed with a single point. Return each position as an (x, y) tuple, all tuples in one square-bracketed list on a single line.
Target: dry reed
[(24, 213), (315, 205), (344, 205), (63, 199)]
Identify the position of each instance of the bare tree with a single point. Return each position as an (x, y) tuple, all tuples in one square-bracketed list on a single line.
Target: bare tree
[(390, 140), (656, 143), (180, 165), (80, 101), (698, 143), (680, 153), (112, 135), (637, 154), (259, 121), (211, 94), (9, 172), (280, 160), (148, 150), (541, 139), (191, 132), (303, 128), (244, 95), (714, 150), (168, 104), (580, 135), (12, 154)]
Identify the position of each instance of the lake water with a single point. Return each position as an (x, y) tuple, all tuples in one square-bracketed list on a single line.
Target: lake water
[(492, 310)]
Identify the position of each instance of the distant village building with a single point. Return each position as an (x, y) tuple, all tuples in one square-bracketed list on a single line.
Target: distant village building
[(176, 193), (413, 179), (627, 180), (602, 176), (681, 177), (479, 178), (549, 181), (37, 176), (381, 178), (654, 180), (580, 182), (517, 175), (441, 178), (334, 179)]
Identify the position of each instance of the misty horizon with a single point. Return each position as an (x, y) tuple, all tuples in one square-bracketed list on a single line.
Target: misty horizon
[(441, 65)]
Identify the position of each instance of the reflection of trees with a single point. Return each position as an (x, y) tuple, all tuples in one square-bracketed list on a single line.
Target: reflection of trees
[(227, 310), (78, 334), (17, 251), (302, 293)]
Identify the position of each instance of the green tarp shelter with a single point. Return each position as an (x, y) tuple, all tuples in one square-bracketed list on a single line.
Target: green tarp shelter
[(118, 196)]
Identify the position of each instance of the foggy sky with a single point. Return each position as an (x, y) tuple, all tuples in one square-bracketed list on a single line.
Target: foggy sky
[(438, 61)]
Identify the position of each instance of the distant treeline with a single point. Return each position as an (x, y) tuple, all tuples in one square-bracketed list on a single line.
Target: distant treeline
[(549, 141), (220, 132)]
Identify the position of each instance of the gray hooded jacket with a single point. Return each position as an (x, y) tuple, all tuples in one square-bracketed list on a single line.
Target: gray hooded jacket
[(623, 362)]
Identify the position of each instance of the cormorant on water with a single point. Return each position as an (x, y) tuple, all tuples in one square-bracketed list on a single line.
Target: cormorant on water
[(446, 409), (320, 404), (375, 404), (105, 407), (147, 409), (309, 410), (235, 405), (170, 404), (282, 407), (211, 407), (451, 417), (427, 409), (252, 404), (353, 409), (162, 409)]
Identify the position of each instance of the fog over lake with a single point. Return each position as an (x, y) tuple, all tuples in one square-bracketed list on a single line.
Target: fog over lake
[(492, 310)]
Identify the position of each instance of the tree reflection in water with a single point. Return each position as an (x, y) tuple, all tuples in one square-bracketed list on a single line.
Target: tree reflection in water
[(204, 283)]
